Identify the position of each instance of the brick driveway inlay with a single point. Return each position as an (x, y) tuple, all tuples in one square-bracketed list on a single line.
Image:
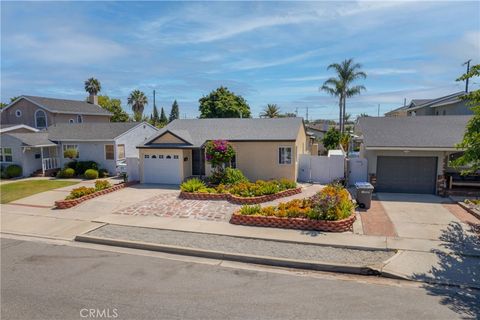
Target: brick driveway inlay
[(170, 205)]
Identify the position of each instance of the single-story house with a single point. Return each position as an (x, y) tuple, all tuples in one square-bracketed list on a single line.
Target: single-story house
[(410, 154), (264, 148), (105, 143)]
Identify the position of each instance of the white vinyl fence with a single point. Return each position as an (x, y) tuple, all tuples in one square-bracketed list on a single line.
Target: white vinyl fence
[(357, 170), (322, 169)]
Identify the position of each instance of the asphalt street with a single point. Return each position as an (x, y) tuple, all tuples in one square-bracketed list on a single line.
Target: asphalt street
[(46, 281)]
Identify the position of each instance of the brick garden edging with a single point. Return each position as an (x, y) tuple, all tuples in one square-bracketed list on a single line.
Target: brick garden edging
[(295, 223), (65, 204), (239, 200)]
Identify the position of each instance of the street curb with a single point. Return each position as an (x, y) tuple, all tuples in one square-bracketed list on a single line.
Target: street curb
[(219, 255)]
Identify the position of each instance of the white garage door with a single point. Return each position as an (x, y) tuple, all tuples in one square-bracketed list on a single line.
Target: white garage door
[(163, 169)]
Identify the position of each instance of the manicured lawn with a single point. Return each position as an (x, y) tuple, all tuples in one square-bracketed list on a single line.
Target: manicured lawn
[(17, 190)]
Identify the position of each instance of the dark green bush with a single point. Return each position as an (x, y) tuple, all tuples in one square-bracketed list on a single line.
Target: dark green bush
[(71, 165), (233, 176), (103, 173), (91, 174), (83, 166), (13, 171), (193, 185)]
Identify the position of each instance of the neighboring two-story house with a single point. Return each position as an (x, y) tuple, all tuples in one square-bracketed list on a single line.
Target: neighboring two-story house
[(450, 105), (42, 112)]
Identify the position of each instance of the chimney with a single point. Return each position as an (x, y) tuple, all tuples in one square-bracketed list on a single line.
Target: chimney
[(93, 98)]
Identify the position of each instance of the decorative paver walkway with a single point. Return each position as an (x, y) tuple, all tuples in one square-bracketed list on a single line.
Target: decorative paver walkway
[(170, 205), (375, 221)]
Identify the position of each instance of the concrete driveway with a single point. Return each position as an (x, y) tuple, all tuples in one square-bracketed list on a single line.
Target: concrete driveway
[(418, 216)]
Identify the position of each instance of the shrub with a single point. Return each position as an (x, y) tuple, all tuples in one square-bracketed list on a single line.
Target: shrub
[(66, 173), (102, 184), (332, 203), (192, 185), (91, 174), (247, 210), (80, 192), (233, 176), (71, 164), (70, 153), (287, 184), (103, 173), (13, 171), (218, 152), (270, 187), (83, 166)]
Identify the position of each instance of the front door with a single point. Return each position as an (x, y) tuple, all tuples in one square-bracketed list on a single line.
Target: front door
[(198, 162)]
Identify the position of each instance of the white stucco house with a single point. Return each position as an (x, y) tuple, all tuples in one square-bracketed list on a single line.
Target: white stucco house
[(105, 143)]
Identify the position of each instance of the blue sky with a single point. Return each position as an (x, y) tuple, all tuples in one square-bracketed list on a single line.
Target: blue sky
[(269, 52)]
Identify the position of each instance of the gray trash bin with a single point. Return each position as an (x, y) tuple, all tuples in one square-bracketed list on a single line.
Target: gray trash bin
[(364, 192)]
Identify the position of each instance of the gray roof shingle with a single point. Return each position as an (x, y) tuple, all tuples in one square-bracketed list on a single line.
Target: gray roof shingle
[(198, 131), (89, 131), (68, 106), (412, 132), (32, 139)]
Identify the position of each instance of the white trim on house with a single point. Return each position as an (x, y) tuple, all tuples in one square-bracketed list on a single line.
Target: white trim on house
[(19, 126), (141, 123), (105, 151), (291, 155), (35, 118)]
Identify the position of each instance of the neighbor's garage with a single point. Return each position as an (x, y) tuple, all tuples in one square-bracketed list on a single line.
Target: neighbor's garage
[(406, 174), (161, 168)]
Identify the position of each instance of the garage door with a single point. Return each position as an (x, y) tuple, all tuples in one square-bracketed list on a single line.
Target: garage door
[(164, 169), (406, 174)]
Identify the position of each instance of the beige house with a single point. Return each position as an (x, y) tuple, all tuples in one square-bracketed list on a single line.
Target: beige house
[(41, 112), (264, 148)]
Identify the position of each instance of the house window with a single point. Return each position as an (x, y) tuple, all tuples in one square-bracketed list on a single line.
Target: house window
[(175, 157), (71, 121), (121, 151), (18, 113), (6, 155), (109, 152), (79, 119), (40, 119), (146, 156), (70, 146), (160, 156), (285, 155)]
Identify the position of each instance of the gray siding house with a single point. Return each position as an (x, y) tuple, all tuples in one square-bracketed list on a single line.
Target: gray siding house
[(105, 143), (410, 154)]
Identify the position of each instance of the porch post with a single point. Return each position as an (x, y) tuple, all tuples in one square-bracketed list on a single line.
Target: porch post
[(43, 165)]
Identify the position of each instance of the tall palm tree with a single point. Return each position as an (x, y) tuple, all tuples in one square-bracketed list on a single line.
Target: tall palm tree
[(93, 86), (341, 86), (270, 111), (137, 100)]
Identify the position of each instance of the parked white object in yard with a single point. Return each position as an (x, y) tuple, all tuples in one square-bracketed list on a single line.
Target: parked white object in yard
[(357, 170), (322, 169)]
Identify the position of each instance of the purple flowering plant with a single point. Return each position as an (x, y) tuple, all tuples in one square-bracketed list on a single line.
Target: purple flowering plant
[(218, 152)]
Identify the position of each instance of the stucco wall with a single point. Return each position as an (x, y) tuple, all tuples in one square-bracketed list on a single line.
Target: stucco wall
[(28, 110), (187, 165), (24, 158), (460, 108), (372, 155), (168, 138), (133, 138)]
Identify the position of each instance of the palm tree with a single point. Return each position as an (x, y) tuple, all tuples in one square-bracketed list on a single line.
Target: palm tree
[(92, 86), (341, 86), (137, 100), (270, 111)]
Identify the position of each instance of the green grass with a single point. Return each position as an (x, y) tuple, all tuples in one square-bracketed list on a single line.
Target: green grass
[(18, 190)]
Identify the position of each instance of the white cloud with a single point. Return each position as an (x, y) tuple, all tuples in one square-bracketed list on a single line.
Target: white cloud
[(307, 78), (389, 71), (65, 47)]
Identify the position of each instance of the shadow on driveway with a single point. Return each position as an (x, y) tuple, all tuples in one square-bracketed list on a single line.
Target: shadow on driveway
[(461, 265), (155, 186), (411, 197)]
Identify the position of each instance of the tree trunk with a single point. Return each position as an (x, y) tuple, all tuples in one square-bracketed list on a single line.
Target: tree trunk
[(340, 118), (343, 114)]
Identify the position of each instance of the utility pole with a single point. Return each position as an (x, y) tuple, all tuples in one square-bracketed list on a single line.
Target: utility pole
[(154, 98), (468, 70), (404, 101), (296, 111), (307, 114), (378, 112)]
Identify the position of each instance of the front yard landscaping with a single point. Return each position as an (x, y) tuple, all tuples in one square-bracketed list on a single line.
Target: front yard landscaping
[(331, 209), (17, 190)]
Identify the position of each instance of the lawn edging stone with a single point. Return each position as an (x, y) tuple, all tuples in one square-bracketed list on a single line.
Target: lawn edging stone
[(294, 223), (239, 200), (66, 204)]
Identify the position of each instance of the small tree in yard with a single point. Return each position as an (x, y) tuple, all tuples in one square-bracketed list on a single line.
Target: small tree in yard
[(218, 152), (70, 154), (331, 139), (471, 140)]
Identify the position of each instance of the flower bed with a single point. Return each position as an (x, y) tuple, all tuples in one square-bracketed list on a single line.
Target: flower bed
[(239, 200), (329, 210), (472, 206), (68, 203)]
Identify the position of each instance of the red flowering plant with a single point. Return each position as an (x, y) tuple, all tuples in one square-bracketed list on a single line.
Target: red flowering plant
[(218, 152)]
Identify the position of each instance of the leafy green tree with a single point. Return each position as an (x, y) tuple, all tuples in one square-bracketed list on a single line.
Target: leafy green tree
[(222, 103), (93, 86), (14, 98), (175, 112), (341, 86), (331, 139), (114, 106), (271, 111), (155, 116), (471, 139), (163, 117), (3, 105), (137, 100), (289, 115)]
